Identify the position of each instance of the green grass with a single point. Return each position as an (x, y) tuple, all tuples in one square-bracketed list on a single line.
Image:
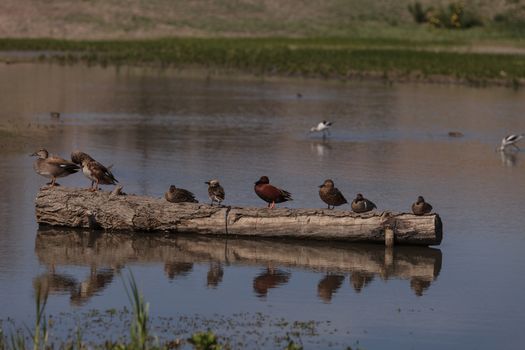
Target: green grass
[(415, 58)]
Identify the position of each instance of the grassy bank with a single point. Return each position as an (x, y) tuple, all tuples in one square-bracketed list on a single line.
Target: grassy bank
[(442, 59)]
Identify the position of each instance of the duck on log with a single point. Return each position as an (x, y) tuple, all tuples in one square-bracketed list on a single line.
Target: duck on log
[(73, 207)]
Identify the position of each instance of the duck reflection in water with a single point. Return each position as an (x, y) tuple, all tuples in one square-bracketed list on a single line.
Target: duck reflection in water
[(173, 269), (419, 285), (328, 286), (360, 279), (269, 278), (81, 292), (214, 276)]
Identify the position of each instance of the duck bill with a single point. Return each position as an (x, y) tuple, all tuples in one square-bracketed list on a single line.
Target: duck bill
[(33, 154), (207, 182), (321, 186)]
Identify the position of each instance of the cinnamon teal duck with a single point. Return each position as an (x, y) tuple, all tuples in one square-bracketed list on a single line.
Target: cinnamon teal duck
[(179, 195), (420, 207), (215, 191), (52, 166), (93, 170), (331, 195), (361, 204), (269, 193)]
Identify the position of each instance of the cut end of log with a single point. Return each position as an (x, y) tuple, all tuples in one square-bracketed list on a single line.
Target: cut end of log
[(73, 207)]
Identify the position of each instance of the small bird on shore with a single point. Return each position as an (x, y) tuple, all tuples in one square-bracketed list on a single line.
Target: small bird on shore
[(179, 195), (55, 115), (270, 193), (93, 170), (420, 207), (323, 127), (510, 140), (361, 204), (331, 195), (215, 191), (52, 166)]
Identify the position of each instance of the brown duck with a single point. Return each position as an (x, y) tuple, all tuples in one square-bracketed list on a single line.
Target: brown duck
[(215, 191), (52, 166), (361, 204), (331, 195), (93, 170), (271, 194), (179, 195), (420, 207)]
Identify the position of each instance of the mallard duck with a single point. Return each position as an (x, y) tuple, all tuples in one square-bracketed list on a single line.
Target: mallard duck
[(510, 140), (331, 195), (93, 170), (179, 195), (361, 204), (420, 207), (215, 191), (52, 166), (269, 193)]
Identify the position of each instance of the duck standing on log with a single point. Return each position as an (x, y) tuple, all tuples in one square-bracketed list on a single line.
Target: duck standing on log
[(269, 193), (93, 170), (215, 191), (52, 166), (361, 204), (420, 207), (331, 195), (179, 195)]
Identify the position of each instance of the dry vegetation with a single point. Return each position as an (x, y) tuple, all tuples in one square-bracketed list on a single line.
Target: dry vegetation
[(104, 19)]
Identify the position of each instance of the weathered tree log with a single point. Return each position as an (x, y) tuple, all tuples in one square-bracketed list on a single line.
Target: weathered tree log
[(72, 207)]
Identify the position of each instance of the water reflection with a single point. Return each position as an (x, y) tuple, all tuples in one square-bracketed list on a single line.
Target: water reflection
[(321, 148), (106, 254), (80, 290), (268, 279), (509, 158)]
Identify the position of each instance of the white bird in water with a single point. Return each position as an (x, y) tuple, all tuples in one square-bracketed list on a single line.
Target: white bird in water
[(323, 127), (510, 140)]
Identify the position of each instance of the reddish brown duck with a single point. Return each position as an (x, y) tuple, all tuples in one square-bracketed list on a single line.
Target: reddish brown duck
[(93, 170), (215, 191), (52, 166), (331, 195), (269, 193), (420, 207), (361, 204), (179, 195)]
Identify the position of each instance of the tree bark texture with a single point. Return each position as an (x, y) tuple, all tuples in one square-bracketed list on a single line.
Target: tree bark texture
[(72, 207)]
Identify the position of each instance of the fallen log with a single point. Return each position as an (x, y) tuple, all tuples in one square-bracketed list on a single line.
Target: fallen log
[(72, 207)]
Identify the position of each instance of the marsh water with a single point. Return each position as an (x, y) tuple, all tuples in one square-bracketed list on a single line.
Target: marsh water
[(161, 127)]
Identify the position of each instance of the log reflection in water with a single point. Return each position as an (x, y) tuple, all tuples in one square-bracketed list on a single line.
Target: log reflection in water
[(178, 253)]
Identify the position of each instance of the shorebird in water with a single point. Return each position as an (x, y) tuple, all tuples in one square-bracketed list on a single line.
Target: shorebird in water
[(510, 140), (322, 127)]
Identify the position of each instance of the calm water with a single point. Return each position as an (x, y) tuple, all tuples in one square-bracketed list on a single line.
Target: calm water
[(388, 142)]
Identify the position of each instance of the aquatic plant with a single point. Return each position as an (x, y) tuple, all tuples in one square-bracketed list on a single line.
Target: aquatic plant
[(205, 341), (139, 327)]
